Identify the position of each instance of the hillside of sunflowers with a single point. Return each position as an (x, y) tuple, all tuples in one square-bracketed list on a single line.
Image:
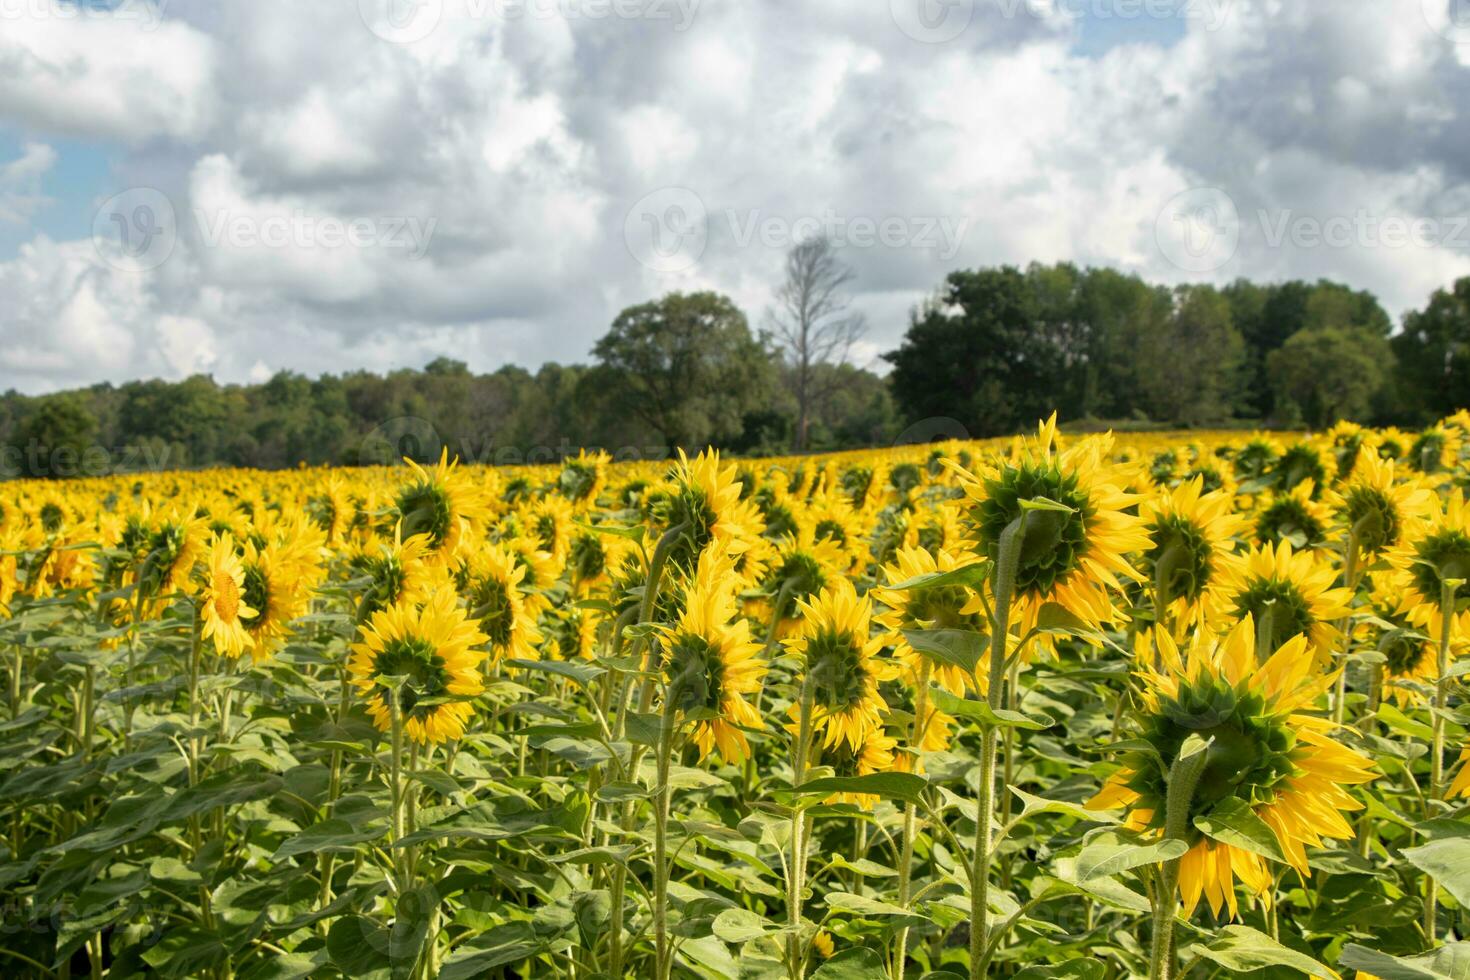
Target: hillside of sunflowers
[(1091, 706)]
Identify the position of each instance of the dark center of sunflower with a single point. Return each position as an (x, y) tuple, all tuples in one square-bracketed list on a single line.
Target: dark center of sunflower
[(1442, 555), (696, 673), (855, 483), (1288, 519), (417, 661), (904, 477), (1180, 557), (1280, 604), (835, 669), (388, 581), (1053, 541), (424, 509), (545, 530), (1373, 517)]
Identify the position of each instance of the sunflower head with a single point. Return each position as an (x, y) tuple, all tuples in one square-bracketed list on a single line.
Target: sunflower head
[(441, 503), (1439, 554), (703, 498), (841, 663)]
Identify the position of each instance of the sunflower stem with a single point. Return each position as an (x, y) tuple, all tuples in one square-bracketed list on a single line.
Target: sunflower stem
[(663, 949), (1350, 579), (1448, 588), (917, 730), (796, 870), (1008, 560), (395, 783), (1184, 776)]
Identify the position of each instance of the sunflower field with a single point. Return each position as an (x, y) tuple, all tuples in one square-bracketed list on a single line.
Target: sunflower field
[(1164, 705)]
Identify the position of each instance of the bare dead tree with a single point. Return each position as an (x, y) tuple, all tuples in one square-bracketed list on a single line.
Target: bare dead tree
[(811, 320)]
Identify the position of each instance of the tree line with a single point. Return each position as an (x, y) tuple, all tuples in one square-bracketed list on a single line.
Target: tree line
[(993, 349)]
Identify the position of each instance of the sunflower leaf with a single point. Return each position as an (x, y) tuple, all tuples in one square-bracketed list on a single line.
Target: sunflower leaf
[(1449, 962), (969, 576), (987, 716), (958, 648), (1112, 853), (1233, 822), (1242, 949), (1448, 860)]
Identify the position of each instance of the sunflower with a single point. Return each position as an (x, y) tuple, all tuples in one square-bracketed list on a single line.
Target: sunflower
[(1264, 752), (174, 547), (712, 664), (1376, 507), (591, 556), (433, 648), (841, 663), (1287, 593), (1411, 659), (573, 634), (223, 607), (1192, 533), (499, 606), (445, 503), (1437, 552), (936, 528), (1436, 449), (1072, 553), (276, 593), (539, 573), (801, 567), (940, 607), (548, 523), (704, 498), (400, 572), (833, 519), (1296, 516), (581, 480)]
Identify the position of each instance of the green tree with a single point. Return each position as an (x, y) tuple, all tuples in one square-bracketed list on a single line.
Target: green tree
[(1433, 352), (53, 442), (1330, 372), (687, 365), (1187, 363)]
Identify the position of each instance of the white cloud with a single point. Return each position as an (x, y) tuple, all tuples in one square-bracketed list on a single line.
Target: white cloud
[(524, 142)]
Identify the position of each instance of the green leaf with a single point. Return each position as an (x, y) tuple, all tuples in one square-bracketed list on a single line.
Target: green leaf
[(958, 648), (358, 947), (1111, 853), (331, 835), (1233, 822), (865, 906), (1448, 861), (890, 785), (740, 926), (1450, 962), (582, 673), (852, 964), (987, 716), (1073, 970), (970, 576), (632, 533), (1241, 949), (411, 916), (1035, 805)]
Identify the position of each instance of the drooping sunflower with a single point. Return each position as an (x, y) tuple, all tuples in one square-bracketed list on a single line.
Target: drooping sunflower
[(933, 607), (276, 592), (444, 502), (1265, 752), (1192, 534), (175, 546), (548, 524), (433, 647), (712, 664), (400, 571), (223, 599), (800, 568), (1287, 593), (832, 518), (842, 663), (1075, 551), (498, 605)]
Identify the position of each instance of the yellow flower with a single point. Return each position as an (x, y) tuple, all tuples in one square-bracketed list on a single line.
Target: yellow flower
[(704, 498), (712, 664), (1437, 552), (1192, 534), (1288, 593), (498, 605), (1461, 784), (224, 601), (925, 608), (1265, 752), (433, 649), (1074, 557), (582, 479), (445, 503), (1377, 507), (841, 664), (873, 754)]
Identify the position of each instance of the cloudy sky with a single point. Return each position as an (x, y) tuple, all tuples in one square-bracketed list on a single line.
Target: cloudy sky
[(241, 186)]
